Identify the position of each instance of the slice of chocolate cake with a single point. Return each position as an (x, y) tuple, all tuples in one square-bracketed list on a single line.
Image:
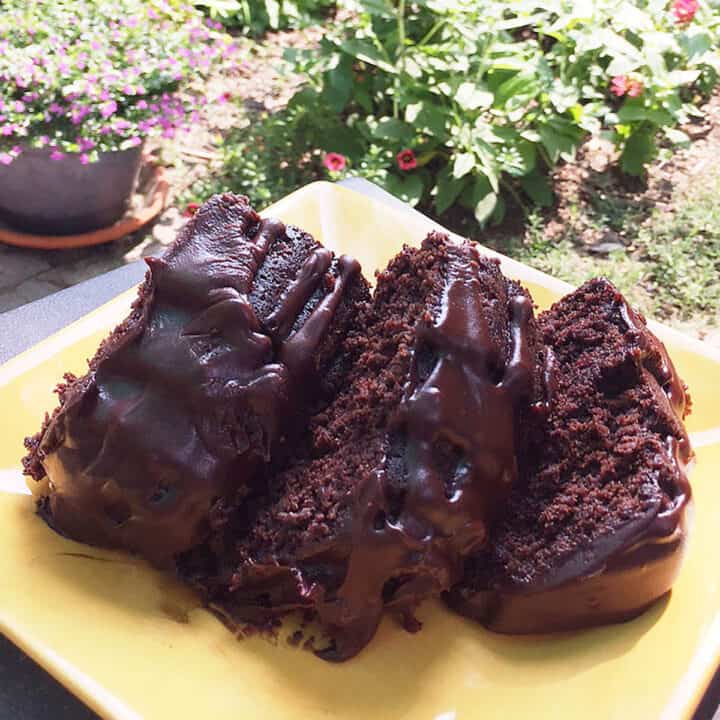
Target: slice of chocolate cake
[(408, 466), (594, 532), (231, 342)]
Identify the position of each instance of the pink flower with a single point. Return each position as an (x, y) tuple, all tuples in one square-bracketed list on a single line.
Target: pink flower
[(84, 159), (5, 158), (406, 159), (684, 11), (635, 88), (108, 109), (19, 106), (626, 85), (56, 155), (618, 86), (334, 162), (7, 130)]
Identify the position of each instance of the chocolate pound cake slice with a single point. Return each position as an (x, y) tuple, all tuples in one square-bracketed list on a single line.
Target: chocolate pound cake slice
[(594, 532), (231, 342), (409, 464)]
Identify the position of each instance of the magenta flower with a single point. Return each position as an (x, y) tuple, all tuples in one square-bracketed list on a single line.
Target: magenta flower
[(5, 158), (84, 159), (19, 106), (56, 155), (684, 11), (334, 162), (108, 109), (7, 130), (406, 159)]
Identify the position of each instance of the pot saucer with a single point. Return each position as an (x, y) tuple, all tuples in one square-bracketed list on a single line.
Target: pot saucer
[(147, 202)]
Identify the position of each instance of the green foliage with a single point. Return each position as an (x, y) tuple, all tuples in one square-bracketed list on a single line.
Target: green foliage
[(256, 17), (490, 95), (256, 157)]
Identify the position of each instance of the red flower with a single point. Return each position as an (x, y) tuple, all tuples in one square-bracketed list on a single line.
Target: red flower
[(190, 209), (624, 85), (635, 88), (684, 10), (334, 162), (406, 160)]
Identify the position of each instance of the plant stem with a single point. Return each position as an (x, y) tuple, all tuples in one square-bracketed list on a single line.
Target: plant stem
[(516, 197), (544, 155), (430, 33), (401, 50)]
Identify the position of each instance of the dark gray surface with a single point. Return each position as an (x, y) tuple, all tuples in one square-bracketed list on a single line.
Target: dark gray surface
[(27, 325), (27, 692)]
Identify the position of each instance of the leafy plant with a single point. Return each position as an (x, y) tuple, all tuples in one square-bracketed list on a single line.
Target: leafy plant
[(86, 76), (471, 102), (256, 17), (271, 156)]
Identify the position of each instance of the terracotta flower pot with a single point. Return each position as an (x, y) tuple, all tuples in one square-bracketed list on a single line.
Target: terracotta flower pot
[(63, 197)]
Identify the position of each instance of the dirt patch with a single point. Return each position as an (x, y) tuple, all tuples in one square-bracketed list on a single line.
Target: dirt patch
[(594, 186)]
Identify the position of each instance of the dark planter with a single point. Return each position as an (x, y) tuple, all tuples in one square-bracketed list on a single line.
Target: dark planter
[(64, 197)]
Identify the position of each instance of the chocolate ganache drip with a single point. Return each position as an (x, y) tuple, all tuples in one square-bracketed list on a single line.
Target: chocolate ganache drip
[(559, 562), (194, 392), (461, 403)]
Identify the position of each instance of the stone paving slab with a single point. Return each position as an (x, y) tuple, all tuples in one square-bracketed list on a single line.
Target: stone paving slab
[(26, 275)]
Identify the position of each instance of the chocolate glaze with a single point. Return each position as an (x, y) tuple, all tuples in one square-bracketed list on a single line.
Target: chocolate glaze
[(411, 520), (465, 403), (193, 394), (622, 573)]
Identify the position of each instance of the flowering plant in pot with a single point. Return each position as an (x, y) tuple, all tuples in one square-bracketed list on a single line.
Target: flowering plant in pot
[(83, 83)]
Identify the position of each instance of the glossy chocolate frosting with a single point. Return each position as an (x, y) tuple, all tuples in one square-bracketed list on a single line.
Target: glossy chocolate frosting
[(447, 459), (621, 573), (194, 392), (470, 400)]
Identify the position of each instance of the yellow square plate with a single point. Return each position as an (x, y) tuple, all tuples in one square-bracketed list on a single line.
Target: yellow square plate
[(132, 643)]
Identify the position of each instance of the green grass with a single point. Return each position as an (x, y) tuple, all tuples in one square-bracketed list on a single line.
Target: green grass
[(682, 252), (671, 269)]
